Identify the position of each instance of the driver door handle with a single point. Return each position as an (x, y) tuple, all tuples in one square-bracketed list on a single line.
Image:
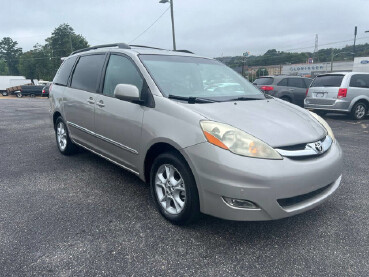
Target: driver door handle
[(91, 100)]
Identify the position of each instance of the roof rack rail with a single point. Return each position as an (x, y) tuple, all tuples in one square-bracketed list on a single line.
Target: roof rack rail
[(184, 51), (119, 45), (144, 46)]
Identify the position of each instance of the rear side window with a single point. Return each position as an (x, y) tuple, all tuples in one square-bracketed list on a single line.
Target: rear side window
[(283, 82), (263, 81), (120, 70), (307, 82), (327, 81), (62, 76), (87, 72), (296, 83), (360, 81)]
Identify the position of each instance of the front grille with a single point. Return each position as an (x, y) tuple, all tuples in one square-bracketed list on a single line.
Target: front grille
[(288, 202)]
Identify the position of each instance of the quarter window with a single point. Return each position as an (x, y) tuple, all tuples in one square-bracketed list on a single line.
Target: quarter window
[(87, 72), (360, 81), (120, 70), (283, 82)]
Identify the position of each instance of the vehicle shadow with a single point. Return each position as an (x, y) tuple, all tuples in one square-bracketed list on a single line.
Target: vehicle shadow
[(223, 230)]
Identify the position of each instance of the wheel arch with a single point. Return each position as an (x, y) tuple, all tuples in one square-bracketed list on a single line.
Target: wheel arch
[(55, 117), (155, 150), (359, 99)]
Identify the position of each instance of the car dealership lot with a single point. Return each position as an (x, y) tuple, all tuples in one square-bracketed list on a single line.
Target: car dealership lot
[(82, 215)]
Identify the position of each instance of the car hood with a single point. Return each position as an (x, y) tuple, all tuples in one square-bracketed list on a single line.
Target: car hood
[(273, 121)]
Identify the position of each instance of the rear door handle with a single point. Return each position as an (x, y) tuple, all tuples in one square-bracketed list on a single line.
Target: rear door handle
[(91, 100), (100, 104), (291, 89)]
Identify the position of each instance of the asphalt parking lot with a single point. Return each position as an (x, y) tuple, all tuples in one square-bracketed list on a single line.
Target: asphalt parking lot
[(83, 216)]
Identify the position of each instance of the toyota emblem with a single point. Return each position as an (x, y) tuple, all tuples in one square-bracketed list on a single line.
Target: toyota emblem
[(318, 146)]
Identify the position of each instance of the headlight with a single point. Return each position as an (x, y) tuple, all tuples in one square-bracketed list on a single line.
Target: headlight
[(237, 141), (325, 125)]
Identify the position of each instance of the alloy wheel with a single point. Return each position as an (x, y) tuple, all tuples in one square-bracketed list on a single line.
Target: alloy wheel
[(170, 189), (61, 136), (360, 111)]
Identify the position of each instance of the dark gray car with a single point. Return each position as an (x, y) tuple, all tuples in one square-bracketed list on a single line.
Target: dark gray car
[(289, 88)]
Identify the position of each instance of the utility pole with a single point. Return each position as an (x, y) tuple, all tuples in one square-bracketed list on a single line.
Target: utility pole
[(172, 15), (316, 46), (355, 33)]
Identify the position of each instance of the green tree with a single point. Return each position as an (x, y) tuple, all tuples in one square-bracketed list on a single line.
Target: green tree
[(3, 68), (62, 43), (261, 72), (10, 52)]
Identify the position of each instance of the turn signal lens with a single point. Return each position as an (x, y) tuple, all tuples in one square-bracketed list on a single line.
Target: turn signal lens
[(237, 141)]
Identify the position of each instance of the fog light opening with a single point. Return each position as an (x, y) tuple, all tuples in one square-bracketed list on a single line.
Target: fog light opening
[(240, 203)]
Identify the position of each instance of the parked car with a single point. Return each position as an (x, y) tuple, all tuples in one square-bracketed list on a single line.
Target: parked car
[(289, 88), (234, 154), (340, 92), (45, 90), (29, 91)]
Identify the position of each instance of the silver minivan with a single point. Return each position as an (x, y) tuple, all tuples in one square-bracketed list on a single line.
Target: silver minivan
[(346, 92), (204, 138)]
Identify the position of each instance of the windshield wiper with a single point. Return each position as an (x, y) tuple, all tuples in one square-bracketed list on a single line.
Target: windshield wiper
[(244, 98), (191, 99)]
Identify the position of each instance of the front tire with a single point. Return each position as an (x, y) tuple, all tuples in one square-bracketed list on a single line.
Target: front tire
[(4, 93), (65, 145), (174, 189), (359, 110), (19, 95)]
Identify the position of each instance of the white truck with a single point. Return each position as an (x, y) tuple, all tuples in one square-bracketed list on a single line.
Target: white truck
[(361, 64), (12, 81)]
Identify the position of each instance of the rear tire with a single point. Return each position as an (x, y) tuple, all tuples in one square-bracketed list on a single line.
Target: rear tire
[(4, 93), (174, 189), (63, 141), (321, 113), (359, 111), (33, 96), (287, 99)]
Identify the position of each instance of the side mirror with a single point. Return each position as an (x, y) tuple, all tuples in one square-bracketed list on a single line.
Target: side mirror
[(127, 92)]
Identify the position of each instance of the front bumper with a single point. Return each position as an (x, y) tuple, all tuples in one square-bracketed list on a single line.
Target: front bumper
[(219, 173), (339, 105)]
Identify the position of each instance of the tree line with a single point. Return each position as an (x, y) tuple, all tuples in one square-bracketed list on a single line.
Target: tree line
[(42, 61), (274, 57)]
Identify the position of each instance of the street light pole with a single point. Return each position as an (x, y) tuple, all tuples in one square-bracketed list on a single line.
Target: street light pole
[(172, 16), (355, 33)]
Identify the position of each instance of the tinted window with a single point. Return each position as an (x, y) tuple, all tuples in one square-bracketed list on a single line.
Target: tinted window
[(120, 70), (87, 72), (61, 77), (327, 81), (307, 82), (360, 81), (296, 83), (283, 82), (263, 81)]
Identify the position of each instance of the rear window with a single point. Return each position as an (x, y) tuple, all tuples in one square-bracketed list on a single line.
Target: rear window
[(62, 76), (263, 81), (327, 81)]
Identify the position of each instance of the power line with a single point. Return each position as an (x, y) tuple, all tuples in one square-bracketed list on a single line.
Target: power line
[(149, 26)]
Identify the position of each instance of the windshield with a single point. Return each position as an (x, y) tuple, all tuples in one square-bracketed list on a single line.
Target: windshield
[(327, 81), (198, 77)]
